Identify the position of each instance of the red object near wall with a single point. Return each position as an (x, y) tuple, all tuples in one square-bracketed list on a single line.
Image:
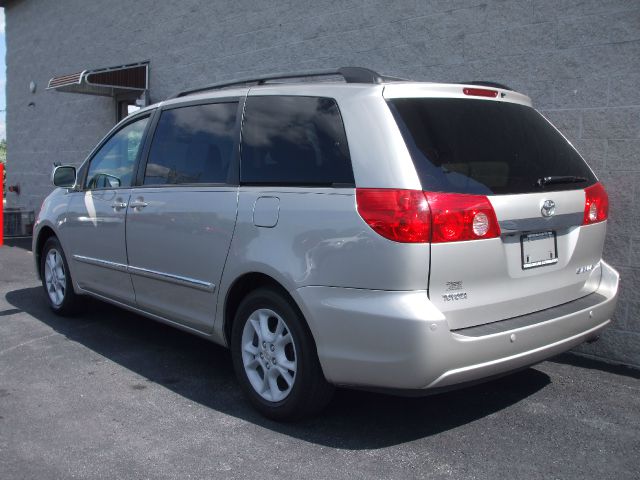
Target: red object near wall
[(1, 204)]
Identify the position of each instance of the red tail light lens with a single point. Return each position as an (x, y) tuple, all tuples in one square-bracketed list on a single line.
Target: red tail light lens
[(412, 216), (457, 217), (399, 215), (596, 204)]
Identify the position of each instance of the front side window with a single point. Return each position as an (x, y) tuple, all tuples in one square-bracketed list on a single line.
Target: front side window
[(298, 141), (112, 166), (193, 145)]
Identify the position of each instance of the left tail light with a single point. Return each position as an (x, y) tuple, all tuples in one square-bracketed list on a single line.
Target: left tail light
[(458, 217), (399, 215), (412, 216)]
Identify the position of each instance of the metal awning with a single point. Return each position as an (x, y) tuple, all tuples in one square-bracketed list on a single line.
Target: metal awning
[(109, 81)]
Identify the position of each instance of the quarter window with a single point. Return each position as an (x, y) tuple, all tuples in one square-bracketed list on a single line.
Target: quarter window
[(112, 166), (193, 145), (288, 140)]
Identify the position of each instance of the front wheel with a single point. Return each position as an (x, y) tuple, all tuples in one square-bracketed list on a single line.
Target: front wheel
[(275, 358), (56, 279)]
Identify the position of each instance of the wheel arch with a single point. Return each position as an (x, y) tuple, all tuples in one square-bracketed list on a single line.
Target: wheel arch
[(45, 233), (245, 284)]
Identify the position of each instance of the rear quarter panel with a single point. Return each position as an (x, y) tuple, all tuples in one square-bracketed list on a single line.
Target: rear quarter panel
[(319, 240)]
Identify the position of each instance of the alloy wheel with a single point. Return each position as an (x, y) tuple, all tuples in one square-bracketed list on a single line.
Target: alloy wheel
[(269, 355), (55, 277)]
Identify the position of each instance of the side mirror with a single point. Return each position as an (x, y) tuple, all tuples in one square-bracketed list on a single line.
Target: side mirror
[(104, 180), (64, 176)]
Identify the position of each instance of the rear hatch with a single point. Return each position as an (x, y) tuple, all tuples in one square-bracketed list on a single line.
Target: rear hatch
[(490, 144)]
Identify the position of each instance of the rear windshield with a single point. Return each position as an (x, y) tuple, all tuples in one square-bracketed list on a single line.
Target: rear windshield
[(486, 147)]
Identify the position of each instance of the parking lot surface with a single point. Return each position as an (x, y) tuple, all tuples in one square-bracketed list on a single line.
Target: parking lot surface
[(110, 394)]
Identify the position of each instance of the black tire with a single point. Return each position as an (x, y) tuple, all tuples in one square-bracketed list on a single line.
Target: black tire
[(71, 303), (310, 392)]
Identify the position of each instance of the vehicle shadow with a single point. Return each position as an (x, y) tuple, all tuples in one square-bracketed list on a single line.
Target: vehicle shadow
[(577, 360), (18, 242), (202, 372)]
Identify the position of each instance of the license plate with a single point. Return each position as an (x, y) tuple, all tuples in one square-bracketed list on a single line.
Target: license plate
[(539, 249)]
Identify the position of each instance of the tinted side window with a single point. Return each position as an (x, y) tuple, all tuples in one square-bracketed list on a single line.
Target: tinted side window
[(193, 144), (112, 166), (290, 140)]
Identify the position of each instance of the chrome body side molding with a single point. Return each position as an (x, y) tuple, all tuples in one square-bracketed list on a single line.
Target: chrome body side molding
[(143, 272), (101, 263), (171, 278)]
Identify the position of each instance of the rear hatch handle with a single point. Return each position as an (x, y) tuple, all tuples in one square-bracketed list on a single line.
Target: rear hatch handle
[(522, 225)]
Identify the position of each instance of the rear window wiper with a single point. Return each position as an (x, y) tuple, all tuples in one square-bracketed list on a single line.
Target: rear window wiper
[(559, 179)]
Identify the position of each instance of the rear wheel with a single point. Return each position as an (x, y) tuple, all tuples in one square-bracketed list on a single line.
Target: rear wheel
[(275, 358), (56, 279)]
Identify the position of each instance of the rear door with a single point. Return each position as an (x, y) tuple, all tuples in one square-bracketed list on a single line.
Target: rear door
[(535, 181), (182, 214)]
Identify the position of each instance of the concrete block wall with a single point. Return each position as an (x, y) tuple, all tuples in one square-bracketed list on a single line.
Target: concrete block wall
[(579, 60)]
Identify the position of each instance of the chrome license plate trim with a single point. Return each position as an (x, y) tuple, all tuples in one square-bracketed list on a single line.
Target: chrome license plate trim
[(538, 249)]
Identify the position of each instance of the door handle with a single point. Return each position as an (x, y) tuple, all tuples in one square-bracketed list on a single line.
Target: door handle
[(138, 203), (117, 206)]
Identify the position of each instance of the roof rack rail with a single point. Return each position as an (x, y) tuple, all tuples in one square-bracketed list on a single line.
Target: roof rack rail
[(482, 83), (350, 75)]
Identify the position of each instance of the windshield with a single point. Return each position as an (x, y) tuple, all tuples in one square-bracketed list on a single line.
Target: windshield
[(486, 147)]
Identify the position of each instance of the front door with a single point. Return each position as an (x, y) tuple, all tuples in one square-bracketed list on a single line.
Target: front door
[(95, 224), (181, 220)]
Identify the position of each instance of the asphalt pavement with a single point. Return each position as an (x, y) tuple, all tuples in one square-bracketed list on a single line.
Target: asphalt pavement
[(110, 394)]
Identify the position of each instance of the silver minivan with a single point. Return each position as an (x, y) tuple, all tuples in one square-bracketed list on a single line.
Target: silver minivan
[(339, 229)]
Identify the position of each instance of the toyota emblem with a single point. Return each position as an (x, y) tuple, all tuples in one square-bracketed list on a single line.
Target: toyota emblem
[(548, 208)]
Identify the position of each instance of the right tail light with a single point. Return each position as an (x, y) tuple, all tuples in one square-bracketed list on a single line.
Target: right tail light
[(596, 204)]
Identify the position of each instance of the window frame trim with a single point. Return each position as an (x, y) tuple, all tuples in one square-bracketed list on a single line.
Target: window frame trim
[(234, 166)]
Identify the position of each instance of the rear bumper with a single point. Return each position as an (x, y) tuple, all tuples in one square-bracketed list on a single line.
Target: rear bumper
[(399, 340)]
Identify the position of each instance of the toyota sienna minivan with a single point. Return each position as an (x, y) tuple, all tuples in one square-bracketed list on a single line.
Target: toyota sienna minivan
[(339, 229)]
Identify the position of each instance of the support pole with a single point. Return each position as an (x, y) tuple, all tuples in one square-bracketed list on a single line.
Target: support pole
[(1, 203)]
